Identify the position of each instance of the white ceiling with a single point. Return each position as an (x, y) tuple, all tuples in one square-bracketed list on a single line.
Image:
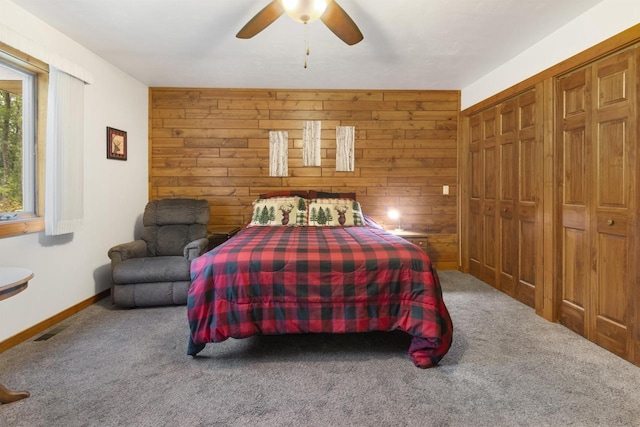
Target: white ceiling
[(408, 44)]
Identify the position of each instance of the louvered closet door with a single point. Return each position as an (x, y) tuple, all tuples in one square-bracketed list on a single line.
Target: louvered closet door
[(598, 151)]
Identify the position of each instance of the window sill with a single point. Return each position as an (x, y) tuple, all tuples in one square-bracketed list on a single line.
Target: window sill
[(21, 226)]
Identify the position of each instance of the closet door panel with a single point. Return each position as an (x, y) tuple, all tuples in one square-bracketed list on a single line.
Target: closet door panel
[(490, 174), (574, 277), (507, 191), (528, 170), (475, 239), (527, 263), (508, 251), (575, 153), (476, 232), (611, 318), (614, 181), (574, 144)]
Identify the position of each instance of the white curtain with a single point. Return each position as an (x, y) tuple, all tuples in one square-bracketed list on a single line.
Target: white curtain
[(64, 166)]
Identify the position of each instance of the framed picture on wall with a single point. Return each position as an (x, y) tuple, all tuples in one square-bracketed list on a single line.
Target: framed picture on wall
[(116, 144)]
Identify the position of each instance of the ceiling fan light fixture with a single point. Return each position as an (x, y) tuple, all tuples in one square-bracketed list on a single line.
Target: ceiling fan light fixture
[(304, 11)]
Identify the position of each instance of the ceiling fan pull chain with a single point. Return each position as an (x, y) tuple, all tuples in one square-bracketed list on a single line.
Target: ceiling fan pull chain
[(306, 43)]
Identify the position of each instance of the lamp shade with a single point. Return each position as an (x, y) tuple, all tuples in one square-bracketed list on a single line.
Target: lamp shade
[(394, 214), (304, 10)]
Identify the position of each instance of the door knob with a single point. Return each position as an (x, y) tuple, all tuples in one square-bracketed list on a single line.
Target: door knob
[(610, 221)]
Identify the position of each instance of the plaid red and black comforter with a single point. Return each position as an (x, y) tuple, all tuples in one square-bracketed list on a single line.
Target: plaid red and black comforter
[(289, 280)]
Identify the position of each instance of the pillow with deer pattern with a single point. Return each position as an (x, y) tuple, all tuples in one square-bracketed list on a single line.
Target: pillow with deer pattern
[(287, 211), (334, 212)]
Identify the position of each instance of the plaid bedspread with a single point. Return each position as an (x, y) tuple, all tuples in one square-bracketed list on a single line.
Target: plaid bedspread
[(289, 280)]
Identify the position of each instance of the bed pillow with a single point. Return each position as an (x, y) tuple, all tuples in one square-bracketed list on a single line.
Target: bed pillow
[(287, 211), (285, 193), (336, 212), (313, 194)]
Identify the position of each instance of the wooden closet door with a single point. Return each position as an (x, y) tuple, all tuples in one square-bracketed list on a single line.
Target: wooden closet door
[(574, 154), (613, 200), (596, 107), (508, 193), (475, 241), (489, 197), (505, 211), (528, 175)]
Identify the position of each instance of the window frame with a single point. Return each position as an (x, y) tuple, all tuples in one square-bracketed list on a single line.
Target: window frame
[(31, 222)]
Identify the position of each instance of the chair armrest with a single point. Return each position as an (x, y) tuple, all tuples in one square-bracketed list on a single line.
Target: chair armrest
[(135, 249), (196, 248)]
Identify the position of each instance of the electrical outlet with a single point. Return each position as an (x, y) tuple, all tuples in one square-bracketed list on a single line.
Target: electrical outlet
[(445, 189)]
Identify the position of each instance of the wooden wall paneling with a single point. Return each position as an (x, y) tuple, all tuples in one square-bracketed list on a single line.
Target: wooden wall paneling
[(214, 144)]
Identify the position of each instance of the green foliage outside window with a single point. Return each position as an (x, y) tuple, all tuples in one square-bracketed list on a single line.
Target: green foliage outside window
[(10, 152)]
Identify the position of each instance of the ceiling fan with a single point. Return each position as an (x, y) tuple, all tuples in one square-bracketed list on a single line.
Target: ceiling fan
[(305, 11)]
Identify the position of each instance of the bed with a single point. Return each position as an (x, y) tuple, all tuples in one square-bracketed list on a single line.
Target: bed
[(317, 267)]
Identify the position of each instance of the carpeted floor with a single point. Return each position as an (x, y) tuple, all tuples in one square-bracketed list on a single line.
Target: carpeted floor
[(111, 367)]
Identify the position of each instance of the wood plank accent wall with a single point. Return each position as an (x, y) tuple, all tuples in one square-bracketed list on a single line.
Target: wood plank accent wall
[(213, 144)]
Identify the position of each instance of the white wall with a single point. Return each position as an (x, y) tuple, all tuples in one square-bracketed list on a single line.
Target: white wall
[(71, 268), (594, 26)]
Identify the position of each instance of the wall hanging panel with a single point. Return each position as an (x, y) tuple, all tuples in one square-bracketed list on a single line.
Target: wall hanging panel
[(278, 153), (345, 146), (311, 137)]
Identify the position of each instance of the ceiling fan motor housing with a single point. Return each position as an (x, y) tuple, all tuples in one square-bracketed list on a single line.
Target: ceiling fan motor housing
[(304, 10)]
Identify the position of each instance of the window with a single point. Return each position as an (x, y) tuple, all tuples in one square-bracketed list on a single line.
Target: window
[(23, 99), (17, 142)]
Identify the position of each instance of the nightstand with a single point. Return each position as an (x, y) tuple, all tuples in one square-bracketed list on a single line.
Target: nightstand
[(416, 237), (219, 234)]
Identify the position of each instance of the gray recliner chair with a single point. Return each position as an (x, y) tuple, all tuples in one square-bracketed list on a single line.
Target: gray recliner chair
[(155, 270)]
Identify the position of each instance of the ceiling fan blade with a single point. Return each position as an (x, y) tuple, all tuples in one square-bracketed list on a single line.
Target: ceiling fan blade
[(338, 21), (261, 20)]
